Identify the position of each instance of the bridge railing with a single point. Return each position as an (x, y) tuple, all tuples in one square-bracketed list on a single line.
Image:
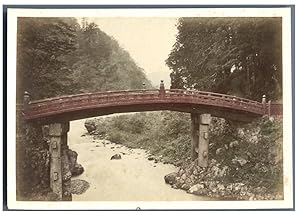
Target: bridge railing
[(91, 95), (113, 98), (214, 95), (275, 109), (211, 98), (89, 98)]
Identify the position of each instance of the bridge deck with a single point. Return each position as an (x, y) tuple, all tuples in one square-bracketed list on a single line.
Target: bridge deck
[(101, 103)]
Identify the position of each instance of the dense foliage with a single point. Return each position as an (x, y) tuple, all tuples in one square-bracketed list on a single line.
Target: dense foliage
[(42, 46), (240, 56), (58, 56)]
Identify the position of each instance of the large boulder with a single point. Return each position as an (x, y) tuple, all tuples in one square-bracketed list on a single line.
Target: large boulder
[(116, 157), (75, 168), (196, 188), (79, 186), (72, 158), (90, 125), (171, 178)]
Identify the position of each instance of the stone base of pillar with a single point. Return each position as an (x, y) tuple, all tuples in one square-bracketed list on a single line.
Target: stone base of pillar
[(200, 138), (205, 120)]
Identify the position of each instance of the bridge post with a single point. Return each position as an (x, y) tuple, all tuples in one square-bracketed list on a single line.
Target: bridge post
[(26, 100), (194, 135), (60, 175), (269, 108), (205, 120), (162, 91), (263, 101)]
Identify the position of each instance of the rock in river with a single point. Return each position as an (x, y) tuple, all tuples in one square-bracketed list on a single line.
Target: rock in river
[(150, 158), (90, 125), (79, 186), (116, 157), (196, 188), (77, 170), (171, 178)]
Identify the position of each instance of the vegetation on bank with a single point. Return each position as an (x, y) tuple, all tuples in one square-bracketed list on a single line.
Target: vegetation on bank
[(164, 134), (247, 157)]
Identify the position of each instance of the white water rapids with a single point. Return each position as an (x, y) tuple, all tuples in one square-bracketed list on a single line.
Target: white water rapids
[(133, 178)]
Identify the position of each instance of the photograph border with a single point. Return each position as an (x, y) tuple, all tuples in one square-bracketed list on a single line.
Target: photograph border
[(5, 83)]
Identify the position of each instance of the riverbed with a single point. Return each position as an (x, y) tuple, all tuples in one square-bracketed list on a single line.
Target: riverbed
[(132, 178)]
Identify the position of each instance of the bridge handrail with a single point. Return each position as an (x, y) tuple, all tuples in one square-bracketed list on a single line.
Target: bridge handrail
[(218, 95), (79, 96), (231, 102), (111, 96), (154, 91), (111, 93)]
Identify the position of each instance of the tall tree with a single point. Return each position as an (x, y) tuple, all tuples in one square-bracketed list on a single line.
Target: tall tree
[(240, 56), (42, 46)]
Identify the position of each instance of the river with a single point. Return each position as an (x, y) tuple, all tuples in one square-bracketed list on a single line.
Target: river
[(133, 178)]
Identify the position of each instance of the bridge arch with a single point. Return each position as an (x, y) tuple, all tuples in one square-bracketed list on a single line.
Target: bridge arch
[(73, 107)]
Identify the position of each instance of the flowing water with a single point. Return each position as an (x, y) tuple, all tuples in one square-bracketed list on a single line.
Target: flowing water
[(133, 178)]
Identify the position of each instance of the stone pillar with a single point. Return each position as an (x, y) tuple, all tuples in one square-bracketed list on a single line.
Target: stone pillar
[(194, 135), (203, 140), (60, 177)]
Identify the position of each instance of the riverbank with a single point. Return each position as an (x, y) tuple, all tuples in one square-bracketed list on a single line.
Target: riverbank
[(213, 182), (132, 178), (245, 160)]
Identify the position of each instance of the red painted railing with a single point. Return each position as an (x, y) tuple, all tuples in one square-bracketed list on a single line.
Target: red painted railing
[(276, 109), (64, 104)]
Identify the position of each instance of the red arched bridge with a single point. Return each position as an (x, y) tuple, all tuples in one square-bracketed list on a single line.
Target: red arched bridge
[(57, 112), (72, 107)]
